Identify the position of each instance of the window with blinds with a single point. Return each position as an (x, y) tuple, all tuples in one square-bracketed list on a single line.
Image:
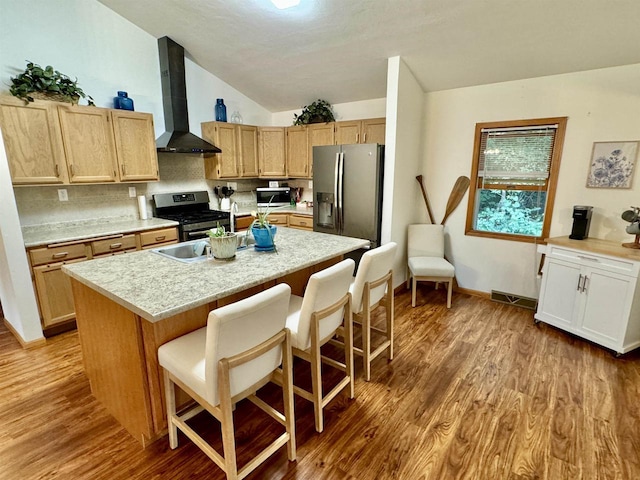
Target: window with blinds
[(515, 169)]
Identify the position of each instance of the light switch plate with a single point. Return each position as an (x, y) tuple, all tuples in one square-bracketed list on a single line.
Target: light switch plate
[(62, 195), (310, 184), (132, 192)]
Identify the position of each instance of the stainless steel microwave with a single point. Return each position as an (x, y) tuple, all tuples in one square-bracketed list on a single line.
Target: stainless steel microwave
[(277, 196)]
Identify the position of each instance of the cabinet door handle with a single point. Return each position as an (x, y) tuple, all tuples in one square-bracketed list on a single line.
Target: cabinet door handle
[(364, 138), (579, 283), (584, 284), (73, 174), (57, 171), (357, 138)]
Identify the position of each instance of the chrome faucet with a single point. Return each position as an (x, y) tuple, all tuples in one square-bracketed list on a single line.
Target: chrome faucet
[(232, 211)]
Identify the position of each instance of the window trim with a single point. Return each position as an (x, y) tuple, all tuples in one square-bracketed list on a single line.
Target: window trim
[(554, 170)]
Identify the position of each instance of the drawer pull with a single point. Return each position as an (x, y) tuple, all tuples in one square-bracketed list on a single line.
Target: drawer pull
[(591, 259), (159, 239), (115, 245), (60, 255)]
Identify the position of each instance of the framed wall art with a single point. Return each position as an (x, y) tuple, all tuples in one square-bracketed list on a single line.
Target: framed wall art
[(612, 164)]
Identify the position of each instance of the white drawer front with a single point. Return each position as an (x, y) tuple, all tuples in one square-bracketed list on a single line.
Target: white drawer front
[(613, 264)]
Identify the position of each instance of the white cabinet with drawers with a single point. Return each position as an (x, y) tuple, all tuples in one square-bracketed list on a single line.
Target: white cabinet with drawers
[(590, 288)]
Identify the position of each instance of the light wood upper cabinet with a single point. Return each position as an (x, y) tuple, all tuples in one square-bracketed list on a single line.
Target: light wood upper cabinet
[(373, 130), (223, 136), (348, 132), (248, 150), (33, 142), (298, 151), (320, 134), (57, 143), (271, 153), (361, 131), (89, 144), (135, 145), (239, 145)]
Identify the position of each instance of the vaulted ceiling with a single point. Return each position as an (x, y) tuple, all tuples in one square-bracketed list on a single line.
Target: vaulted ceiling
[(338, 50)]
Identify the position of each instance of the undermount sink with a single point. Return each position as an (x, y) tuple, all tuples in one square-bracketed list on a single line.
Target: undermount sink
[(195, 250)]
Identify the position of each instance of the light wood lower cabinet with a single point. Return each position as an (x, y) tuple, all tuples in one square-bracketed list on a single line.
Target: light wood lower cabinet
[(52, 286), (302, 222), (54, 294)]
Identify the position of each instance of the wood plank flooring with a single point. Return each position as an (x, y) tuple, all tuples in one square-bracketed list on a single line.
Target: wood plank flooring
[(475, 392)]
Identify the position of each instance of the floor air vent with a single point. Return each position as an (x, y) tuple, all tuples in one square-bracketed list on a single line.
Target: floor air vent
[(517, 300)]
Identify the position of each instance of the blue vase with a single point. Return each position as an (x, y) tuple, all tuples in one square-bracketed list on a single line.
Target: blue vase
[(122, 101), (221, 111), (264, 238)]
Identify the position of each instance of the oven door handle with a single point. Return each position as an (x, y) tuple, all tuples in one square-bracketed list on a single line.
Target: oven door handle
[(197, 232)]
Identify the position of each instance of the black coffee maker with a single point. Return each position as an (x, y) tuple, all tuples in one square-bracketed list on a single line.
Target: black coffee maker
[(581, 222)]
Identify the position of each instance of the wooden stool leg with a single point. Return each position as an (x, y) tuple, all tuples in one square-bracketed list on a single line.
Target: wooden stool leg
[(389, 314), (287, 397), (348, 348), (413, 291), (449, 293), (366, 341), (170, 398), (316, 383)]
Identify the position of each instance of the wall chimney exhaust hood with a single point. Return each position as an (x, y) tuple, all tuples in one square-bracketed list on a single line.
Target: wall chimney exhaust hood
[(177, 138)]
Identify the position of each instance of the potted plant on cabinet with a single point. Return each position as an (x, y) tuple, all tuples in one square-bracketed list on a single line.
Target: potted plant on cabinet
[(46, 84), (223, 243), (319, 111)]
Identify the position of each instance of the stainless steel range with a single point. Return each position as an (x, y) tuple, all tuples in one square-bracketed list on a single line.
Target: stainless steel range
[(191, 211)]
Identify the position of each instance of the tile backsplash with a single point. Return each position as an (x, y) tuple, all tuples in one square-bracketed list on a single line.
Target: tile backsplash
[(178, 173)]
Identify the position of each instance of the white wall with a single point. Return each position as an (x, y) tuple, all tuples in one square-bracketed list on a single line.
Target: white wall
[(602, 105), (16, 291), (402, 201), (85, 39), (375, 108)]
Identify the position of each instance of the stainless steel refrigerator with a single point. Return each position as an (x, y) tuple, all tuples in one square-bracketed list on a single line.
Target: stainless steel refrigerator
[(347, 187)]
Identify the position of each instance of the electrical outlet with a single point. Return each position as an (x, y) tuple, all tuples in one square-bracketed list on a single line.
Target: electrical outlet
[(62, 195), (233, 185), (310, 184), (132, 192)]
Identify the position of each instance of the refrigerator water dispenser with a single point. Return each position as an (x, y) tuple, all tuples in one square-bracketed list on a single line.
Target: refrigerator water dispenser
[(324, 204)]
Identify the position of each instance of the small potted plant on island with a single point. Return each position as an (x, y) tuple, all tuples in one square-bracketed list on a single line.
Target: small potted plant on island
[(263, 232), (223, 243)]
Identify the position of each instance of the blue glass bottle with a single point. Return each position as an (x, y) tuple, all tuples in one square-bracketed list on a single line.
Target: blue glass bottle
[(122, 101), (221, 111)]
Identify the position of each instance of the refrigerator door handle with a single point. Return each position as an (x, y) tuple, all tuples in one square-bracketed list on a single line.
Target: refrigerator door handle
[(335, 192), (341, 191)]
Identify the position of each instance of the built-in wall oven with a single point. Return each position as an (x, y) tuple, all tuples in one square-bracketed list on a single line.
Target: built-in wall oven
[(191, 211), (278, 196)]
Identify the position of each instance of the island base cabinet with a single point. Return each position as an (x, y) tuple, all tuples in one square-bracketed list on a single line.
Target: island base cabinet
[(120, 351), (597, 303)]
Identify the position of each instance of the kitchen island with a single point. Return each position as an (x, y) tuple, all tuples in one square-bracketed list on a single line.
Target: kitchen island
[(129, 305)]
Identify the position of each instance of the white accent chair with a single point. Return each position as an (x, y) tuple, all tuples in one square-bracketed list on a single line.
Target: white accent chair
[(324, 311), (239, 351), (372, 288), (426, 261)]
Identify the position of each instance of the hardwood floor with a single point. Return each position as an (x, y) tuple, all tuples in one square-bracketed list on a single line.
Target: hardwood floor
[(476, 392)]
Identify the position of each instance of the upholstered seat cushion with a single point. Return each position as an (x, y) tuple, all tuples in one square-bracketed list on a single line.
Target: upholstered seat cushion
[(295, 305), (184, 359), (431, 267)]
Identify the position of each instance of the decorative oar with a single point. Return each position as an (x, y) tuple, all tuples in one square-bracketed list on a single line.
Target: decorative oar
[(458, 191), (426, 200)]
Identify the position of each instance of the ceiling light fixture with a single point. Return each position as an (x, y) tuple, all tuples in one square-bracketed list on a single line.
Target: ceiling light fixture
[(282, 4)]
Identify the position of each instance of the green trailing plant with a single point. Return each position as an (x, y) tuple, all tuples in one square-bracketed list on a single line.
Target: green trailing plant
[(319, 111), (46, 80)]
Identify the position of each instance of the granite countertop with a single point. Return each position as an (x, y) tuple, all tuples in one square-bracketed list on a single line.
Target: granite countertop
[(46, 234), (156, 287)]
